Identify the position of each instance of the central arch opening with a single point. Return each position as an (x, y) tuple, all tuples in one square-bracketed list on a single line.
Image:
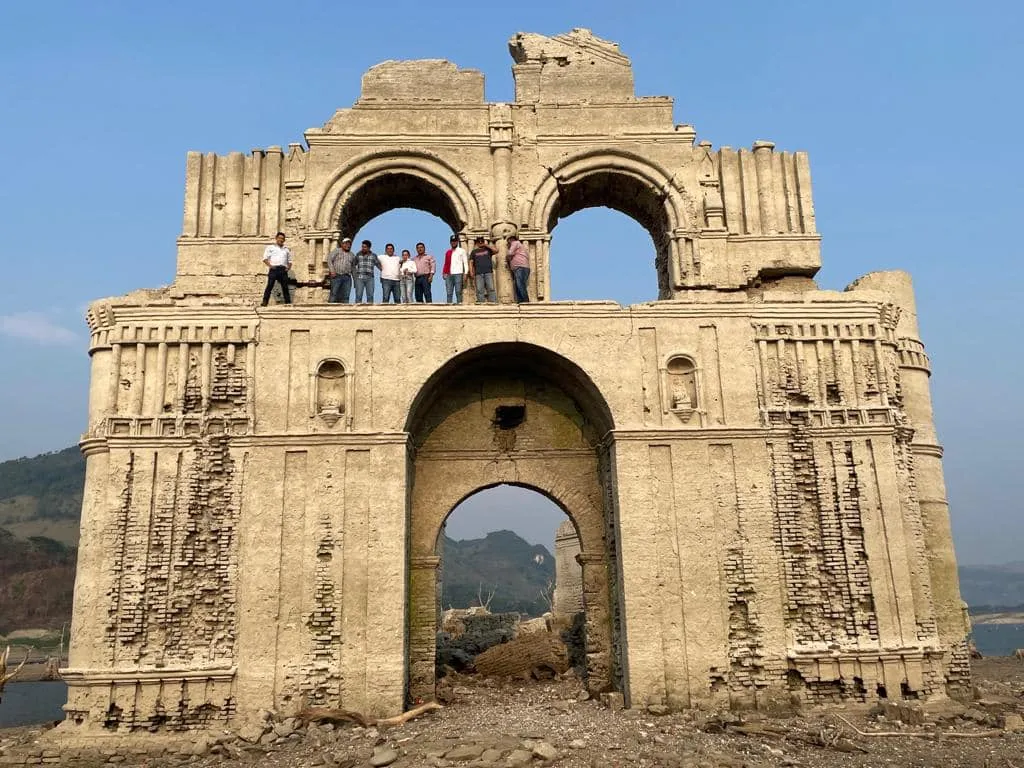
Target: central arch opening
[(512, 414), (506, 574)]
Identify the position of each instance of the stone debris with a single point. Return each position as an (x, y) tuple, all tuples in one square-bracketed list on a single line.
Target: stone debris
[(540, 655)]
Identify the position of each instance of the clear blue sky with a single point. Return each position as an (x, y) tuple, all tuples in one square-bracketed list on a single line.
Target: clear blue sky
[(910, 112)]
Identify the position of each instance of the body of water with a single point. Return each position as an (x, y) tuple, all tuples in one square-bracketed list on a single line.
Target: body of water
[(32, 703), (998, 639)]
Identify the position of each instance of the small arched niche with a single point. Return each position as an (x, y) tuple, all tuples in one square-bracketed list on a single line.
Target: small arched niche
[(330, 391), (681, 391)]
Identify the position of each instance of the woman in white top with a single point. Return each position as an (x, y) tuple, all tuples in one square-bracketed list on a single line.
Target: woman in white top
[(407, 270)]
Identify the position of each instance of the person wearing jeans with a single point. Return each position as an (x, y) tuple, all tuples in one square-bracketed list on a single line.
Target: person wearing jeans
[(456, 266), (278, 259), (390, 265), (362, 272), (425, 268), (408, 277), (518, 258), (481, 268), (339, 268)]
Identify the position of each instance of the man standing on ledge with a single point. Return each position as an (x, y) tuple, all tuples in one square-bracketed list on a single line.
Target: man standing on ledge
[(518, 258), (362, 272), (425, 268), (481, 269), (279, 260), (456, 267), (339, 266)]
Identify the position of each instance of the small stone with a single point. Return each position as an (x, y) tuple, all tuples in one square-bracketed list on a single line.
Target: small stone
[(1013, 723), (519, 757), (976, 715), (250, 733), (461, 690), (545, 751), (657, 709), (116, 759), (613, 701), (283, 730), (465, 752), (577, 744), (383, 756), (491, 755), (584, 696)]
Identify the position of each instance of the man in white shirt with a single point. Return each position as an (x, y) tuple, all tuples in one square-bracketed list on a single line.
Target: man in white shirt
[(278, 260), (456, 266), (390, 265)]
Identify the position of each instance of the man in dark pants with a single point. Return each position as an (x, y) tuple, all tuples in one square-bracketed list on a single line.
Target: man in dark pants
[(425, 268), (279, 260)]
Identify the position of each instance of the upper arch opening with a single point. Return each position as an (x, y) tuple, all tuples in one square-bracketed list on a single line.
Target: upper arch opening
[(390, 191)]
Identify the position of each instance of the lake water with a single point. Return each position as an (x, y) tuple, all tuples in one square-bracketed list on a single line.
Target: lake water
[(998, 639), (31, 703)]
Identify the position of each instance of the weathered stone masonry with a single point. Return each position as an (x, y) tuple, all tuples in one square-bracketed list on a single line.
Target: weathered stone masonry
[(749, 462)]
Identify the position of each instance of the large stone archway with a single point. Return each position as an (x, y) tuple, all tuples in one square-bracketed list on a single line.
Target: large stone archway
[(518, 414), (751, 461)]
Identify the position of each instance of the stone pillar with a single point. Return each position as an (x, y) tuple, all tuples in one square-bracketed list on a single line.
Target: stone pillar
[(423, 572), (597, 603), (568, 578), (501, 226), (765, 191), (87, 648)]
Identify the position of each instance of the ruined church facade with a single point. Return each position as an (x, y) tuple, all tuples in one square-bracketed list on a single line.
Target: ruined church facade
[(749, 462)]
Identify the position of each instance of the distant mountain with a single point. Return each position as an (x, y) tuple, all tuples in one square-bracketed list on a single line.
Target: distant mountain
[(42, 495), (519, 574), (37, 578), (996, 586)]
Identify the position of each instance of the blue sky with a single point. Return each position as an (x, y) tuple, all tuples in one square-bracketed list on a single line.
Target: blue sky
[(910, 112)]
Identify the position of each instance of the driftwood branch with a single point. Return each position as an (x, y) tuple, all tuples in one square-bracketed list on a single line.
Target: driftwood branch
[(335, 716), (927, 735), (5, 676)]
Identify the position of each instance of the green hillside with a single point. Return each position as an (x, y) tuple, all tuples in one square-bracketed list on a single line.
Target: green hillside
[(42, 495), (518, 574)]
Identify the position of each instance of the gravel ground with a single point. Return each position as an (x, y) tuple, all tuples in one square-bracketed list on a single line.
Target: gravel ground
[(552, 723)]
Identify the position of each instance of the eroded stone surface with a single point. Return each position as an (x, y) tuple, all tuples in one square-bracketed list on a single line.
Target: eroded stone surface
[(750, 463)]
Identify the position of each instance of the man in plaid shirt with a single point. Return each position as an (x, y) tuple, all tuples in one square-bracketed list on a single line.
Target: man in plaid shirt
[(362, 273)]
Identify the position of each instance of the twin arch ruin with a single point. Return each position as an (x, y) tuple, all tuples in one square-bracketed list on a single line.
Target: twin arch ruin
[(750, 461)]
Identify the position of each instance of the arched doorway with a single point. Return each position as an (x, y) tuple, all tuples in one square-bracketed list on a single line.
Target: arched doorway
[(518, 414)]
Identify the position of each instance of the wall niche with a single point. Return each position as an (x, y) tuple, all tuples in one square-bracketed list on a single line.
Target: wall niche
[(330, 391), (681, 389)]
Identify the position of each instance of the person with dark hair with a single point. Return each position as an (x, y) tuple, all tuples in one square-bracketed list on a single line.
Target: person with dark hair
[(362, 272), (425, 268), (278, 259), (408, 272), (389, 274), (481, 269), (518, 259), (456, 265), (340, 262)]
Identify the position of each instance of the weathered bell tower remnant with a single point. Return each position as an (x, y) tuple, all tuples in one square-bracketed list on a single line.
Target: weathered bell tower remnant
[(749, 462)]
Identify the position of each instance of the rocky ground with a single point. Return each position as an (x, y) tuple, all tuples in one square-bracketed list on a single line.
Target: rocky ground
[(487, 723)]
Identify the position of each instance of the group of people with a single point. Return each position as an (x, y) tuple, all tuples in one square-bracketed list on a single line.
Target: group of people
[(404, 278)]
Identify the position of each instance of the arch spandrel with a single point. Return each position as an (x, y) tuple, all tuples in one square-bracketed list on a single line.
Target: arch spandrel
[(590, 395)]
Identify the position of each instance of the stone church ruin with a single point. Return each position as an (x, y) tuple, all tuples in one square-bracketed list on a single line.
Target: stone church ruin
[(749, 462)]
